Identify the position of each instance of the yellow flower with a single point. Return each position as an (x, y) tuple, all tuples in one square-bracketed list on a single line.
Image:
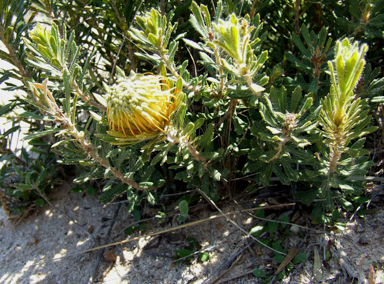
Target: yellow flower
[(140, 105)]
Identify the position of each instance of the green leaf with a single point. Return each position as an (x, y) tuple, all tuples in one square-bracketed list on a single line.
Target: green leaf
[(42, 133), (91, 190), (109, 195), (279, 258), (281, 176), (39, 202), (267, 116), (23, 186), (7, 157), (297, 41), (259, 273), (10, 131), (257, 231), (184, 253), (292, 174), (216, 175), (307, 104), (136, 215), (151, 199), (183, 206), (240, 125), (297, 62), (304, 31), (131, 229), (67, 91), (31, 115), (77, 189), (199, 123), (307, 196), (7, 108), (197, 20), (344, 203), (284, 219), (41, 177), (377, 99), (181, 218), (335, 214), (192, 44), (295, 100), (188, 129), (204, 256), (271, 227), (207, 137), (299, 258)]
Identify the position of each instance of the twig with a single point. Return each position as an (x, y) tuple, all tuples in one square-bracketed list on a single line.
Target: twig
[(62, 212), (235, 224), (343, 261), (167, 231), (287, 223), (232, 265), (225, 265), (357, 178), (91, 279), (253, 10), (237, 276), (293, 251)]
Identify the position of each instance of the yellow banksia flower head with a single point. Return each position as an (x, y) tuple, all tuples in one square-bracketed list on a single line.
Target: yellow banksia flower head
[(140, 106)]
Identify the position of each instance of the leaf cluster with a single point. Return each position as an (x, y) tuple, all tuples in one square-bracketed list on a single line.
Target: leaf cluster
[(265, 97)]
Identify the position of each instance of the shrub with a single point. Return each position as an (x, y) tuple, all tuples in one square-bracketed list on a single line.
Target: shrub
[(141, 95)]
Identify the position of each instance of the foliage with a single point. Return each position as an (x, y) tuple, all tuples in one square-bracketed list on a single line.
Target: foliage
[(138, 99), (23, 180), (191, 249), (276, 231)]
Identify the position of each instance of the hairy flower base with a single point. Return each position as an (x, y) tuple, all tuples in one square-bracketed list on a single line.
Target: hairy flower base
[(140, 106)]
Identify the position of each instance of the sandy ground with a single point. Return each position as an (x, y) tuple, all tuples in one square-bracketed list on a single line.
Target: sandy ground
[(46, 247)]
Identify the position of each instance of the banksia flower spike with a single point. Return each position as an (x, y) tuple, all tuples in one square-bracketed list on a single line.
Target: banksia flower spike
[(140, 107)]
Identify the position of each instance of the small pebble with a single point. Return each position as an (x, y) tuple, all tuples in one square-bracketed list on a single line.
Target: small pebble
[(110, 256), (361, 230), (363, 240), (295, 229)]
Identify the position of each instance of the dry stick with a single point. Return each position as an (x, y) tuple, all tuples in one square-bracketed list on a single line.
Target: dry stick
[(233, 259), (343, 261), (253, 10), (188, 225), (62, 212), (293, 251), (91, 279), (235, 224), (169, 230), (286, 223), (237, 276)]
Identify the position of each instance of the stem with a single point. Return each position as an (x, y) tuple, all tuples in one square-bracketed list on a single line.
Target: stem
[(15, 60), (335, 157), (86, 99), (174, 138), (162, 7), (250, 84), (229, 113), (83, 142), (89, 149), (297, 16), (279, 149), (253, 10), (221, 72), (171, 68)]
